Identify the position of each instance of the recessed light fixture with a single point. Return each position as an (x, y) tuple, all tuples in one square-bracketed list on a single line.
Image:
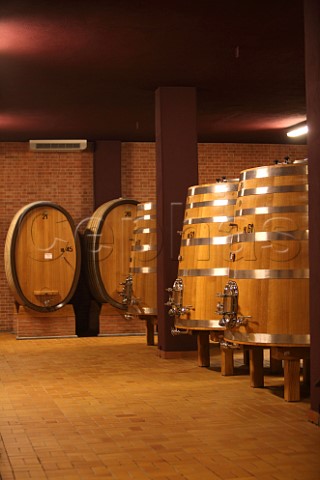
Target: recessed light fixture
[(298, 130)]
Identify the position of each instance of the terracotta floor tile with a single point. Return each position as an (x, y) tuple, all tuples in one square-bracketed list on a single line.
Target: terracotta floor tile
[(111, 408)]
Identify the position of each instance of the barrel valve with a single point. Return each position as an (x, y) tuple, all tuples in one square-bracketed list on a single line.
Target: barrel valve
[(47, 297), (126, 292), (228, 309), (229, 346), (177, 331), (176, 299)]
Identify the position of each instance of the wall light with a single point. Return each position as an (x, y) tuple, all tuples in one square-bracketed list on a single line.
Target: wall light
[(297, 131)]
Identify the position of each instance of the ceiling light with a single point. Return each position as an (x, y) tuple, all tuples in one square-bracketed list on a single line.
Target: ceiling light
[(297, 131)]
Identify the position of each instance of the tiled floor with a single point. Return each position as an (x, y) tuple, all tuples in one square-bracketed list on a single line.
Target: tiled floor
[(110, 408)]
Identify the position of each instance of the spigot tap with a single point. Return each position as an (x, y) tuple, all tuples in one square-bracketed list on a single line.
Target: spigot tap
[(126, 292), (229, 308), (175, 301)]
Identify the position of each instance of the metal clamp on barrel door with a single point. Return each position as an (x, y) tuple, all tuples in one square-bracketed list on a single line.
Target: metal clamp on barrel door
[(229, 308), (176, 299)]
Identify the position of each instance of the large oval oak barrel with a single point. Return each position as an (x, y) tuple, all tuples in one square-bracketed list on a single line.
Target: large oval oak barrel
[(42, 256), (108, 238), (270, 256)]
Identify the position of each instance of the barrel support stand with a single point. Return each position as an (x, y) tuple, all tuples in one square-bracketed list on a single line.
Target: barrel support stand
[(32, 324), (151, 321), (254, 356), (227, 359), (227, 365), (291, 357), (256, 366), (203, 341)]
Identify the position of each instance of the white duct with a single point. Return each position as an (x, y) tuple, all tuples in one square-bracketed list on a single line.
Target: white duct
[(57, 145)]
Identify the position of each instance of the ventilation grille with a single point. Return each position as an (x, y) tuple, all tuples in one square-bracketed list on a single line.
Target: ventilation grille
[(58, 145)]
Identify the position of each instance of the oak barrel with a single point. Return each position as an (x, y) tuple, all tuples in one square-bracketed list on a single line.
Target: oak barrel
[(143, 261), (204, 251), (108, 237), (42, 256), (270, 263)]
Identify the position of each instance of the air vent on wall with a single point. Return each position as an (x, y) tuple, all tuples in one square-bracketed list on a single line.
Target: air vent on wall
[(58, 145)]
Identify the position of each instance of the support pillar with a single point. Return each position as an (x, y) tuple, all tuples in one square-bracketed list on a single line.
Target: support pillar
[(106, 172), (177, 169), (312, 62)]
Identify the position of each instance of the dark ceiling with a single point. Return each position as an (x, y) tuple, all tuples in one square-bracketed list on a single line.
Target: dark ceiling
[(89, 69)]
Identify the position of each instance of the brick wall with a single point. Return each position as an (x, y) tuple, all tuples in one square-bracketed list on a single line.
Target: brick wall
[(67, 179), (62, 178), (138, 171), (216, 160)]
